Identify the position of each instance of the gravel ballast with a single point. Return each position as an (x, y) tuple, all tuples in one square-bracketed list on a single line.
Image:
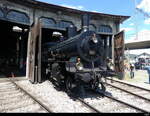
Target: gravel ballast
[(57, 101)]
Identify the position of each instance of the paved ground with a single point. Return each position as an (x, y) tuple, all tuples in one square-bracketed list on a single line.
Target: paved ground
[(140, 78)]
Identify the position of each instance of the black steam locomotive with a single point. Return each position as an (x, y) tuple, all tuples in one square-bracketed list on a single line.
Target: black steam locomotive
[(76, 62)]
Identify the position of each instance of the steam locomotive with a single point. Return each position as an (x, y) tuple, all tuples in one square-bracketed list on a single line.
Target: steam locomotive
[(60, 61)]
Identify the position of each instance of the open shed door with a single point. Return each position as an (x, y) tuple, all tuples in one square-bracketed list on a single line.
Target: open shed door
[(34, 53), (119, 54)]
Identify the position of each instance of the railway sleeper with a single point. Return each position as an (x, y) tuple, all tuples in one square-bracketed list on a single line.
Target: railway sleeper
[(13, 106), (28, 108), (8, 89), (13, 100), (11, 96), (9, 92)]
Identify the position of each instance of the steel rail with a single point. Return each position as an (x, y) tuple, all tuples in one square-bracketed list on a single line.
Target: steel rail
[(85, 104), (45, 107), (36, 100), (129, 84), (128, 92), (124, 103), (88, 105)]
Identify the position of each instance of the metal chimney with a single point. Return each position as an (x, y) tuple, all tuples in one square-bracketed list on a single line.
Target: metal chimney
[(85, 22)]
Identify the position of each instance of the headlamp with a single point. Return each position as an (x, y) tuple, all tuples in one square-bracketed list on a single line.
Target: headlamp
[(79, 67), (94, 38)]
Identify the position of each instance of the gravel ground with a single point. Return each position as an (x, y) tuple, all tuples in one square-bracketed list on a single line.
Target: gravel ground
[(129, 98), (14, 100), (57, 101), (140, 78), (107, 105), (134, 90)]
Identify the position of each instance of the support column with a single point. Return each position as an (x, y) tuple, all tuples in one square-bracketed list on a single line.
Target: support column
[(110, 46), (28, 53), (22, 54), (21, 51), (17, 52), (113, 60), (106, 50)]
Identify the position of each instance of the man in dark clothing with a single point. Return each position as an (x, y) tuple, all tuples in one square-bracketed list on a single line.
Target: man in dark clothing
[(131, 71), (148, 71)]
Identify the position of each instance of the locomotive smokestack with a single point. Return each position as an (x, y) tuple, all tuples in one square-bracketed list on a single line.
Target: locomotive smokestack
[(85, 22)]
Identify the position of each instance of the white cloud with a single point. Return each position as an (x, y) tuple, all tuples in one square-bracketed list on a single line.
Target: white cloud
[(143, 35), (127, 29), (144, 5), (95, 11), (147, 21), (129, 19), (131, 24), (74, 7)]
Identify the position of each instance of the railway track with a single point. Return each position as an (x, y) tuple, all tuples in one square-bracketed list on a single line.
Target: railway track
[(13, 93), (127, 84), (131, 94), (14, 98), (132, 89), (84, 103), (110, 104)]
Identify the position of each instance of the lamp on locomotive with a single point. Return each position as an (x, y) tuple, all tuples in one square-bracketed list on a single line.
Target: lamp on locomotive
[(94, 38), (79, 65)]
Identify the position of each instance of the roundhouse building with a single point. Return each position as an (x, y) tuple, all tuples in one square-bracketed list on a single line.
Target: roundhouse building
[(26, 24)]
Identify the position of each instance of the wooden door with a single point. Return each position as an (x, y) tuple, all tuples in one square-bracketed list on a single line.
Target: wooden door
[(119, 54), (34, 53)]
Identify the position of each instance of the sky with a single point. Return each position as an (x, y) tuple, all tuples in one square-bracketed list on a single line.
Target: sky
[(137, 27)]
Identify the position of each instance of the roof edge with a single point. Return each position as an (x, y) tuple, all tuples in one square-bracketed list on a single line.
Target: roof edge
[(47, 5)]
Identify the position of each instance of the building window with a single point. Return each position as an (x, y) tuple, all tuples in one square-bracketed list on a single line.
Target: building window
[(1, 13), (18, 17), (48, 22), (92, 27), (105, 29), (64, 24)]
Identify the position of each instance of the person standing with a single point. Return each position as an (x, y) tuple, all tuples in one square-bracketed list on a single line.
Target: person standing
[(131, 71), (148, 71), (110, 70), (109, 64)]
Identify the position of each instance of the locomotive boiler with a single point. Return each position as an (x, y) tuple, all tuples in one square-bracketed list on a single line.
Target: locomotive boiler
[(86, 45)]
